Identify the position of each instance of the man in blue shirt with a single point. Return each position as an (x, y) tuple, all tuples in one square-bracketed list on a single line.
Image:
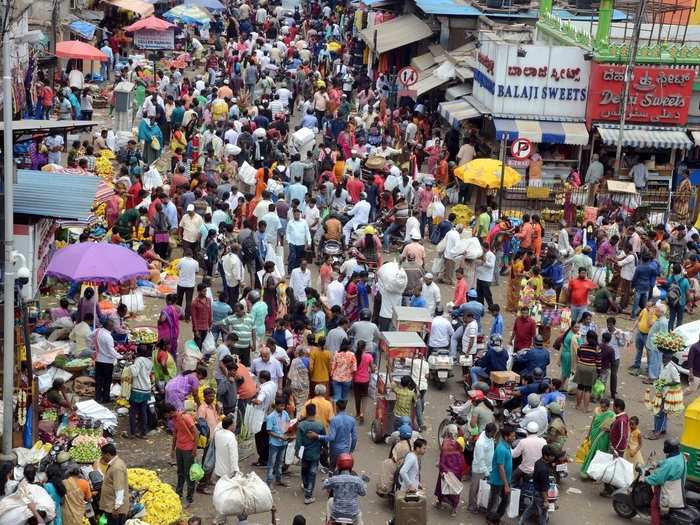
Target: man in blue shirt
[(643, 283), (417, 300), (309, 120), (277, 423), (535, 357), (473, 306), (342, 432), (500, 477)]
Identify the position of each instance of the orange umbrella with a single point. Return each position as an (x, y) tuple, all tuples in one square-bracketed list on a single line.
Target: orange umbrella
[(79, 50), (152, 22)]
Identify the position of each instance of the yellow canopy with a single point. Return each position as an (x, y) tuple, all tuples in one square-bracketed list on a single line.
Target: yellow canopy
[(486, 173)]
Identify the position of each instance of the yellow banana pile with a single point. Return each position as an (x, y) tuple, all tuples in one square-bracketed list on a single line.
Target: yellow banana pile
[(464, 214), (104, 169), (162, 504)]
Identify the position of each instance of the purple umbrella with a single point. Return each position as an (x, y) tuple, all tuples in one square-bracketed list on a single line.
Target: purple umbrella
[(97, 261)]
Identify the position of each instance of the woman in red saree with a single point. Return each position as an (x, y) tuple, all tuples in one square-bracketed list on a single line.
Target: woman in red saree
[(169, 323), (451, 460), (352, 304)]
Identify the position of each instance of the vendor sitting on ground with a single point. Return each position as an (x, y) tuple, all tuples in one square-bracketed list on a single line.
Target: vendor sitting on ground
[(58, 397)]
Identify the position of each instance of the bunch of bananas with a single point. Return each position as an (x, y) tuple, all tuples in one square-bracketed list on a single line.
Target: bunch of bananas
[(107, 154), (162, 504), (60, 244), (104, 169), (100, 209)]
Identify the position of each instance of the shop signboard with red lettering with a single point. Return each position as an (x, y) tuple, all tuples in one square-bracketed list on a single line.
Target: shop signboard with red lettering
[(657, 95)]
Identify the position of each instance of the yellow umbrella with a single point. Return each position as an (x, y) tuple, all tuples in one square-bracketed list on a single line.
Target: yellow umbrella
[(486, 173)]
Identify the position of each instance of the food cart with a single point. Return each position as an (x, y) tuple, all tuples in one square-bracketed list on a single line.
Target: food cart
[(398, 349), (412, 319)]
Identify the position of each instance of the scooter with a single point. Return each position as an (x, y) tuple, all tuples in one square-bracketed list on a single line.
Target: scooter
[(440, 367), (527, 491), (636, 499)]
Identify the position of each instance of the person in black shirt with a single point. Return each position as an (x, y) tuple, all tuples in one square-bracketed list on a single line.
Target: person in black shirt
[(540, 478)]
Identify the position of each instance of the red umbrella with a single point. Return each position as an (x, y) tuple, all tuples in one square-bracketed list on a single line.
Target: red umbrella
[(79, 50), (153, 23)]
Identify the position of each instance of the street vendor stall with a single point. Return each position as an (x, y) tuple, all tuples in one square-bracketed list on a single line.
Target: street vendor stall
[(399, 349), (412, 319)]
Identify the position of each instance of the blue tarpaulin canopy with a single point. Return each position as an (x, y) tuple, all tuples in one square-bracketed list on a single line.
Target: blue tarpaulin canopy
[(211, 5), (83, 29)]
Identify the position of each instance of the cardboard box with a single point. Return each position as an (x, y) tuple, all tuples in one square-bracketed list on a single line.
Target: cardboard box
[(501, 378)]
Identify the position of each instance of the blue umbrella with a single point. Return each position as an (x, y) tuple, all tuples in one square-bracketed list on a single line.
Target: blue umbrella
[(189, 14)]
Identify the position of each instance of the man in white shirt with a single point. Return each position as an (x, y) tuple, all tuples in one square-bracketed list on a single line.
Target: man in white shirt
[(535, 412), (299, 280), (430, 292), (105, 357), (471, 331), (187, 269), (412, 226), (272, 220), (452, 253), (233, 274), (359, 214), (530, 448), (481, 464), (466, 153), (76, 79), (484, 275), (336, 291), (190, 229), (441, 331), (312, 216), (628, 264)]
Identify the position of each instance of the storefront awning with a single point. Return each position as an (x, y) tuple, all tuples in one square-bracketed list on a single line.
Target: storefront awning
[(543, 132), (458, 91), (54, 195), (135, 6), (646, 137), (457, 111), (395, 33)]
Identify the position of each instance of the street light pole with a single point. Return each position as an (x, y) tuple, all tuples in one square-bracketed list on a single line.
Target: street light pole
[(8, 351), (629, 68)]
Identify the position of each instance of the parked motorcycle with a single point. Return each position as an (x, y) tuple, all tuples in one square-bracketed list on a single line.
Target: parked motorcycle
[(636, 500), (458, 413), (440, 366)]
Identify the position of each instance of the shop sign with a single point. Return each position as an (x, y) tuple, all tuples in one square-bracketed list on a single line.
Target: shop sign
[(657, 95), (548, 81), (154, 40)]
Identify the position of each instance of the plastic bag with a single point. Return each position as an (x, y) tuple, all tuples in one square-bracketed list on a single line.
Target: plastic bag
[(392, 278), (619, 473), (482, 497), (196, 472), (472, 248), (598, 465), (242, 495), (290, 457), (13, 508), (438, 265), (372, 388), (192, 356), (209, 459), (246, 173), (450, 485), (254, 418), (133, 302), (209, 344), (598, 388), (514, 504)]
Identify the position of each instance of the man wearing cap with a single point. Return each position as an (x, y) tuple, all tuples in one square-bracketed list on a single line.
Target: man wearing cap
[(360, 215), (431, 292), (473, 306), (190, 229), (530, 448), (415, 248), (353, 164)]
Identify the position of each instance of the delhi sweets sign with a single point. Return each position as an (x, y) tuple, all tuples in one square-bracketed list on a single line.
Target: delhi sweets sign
[(548, 81), (657, 95)]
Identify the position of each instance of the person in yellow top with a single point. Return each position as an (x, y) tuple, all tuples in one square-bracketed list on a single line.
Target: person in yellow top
[(643, 324), (219, 109), (324, 408), (633, 452), (320, 365)]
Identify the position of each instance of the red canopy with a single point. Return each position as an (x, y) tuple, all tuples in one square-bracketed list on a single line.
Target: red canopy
[(153, 23), (79, 50)]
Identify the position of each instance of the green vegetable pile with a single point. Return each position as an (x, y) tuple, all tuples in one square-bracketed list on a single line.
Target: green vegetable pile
[(85, 453)]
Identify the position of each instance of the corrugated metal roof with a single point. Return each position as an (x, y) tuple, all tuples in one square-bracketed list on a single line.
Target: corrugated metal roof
[(56, 195)]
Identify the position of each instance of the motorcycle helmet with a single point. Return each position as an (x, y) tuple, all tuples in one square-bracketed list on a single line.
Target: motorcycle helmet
[(496, 340), (254, 296), (344, 462), (370, 230), (439, 311), (404, 420), (405, 431), (365, 314), (672, 446), (532, 428), (537, 373)]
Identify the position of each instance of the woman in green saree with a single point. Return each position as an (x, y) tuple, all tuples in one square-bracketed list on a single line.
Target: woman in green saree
[(599, 435), (569, 346)]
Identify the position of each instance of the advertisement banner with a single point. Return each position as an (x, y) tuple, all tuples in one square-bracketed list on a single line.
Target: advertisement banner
[(154, 40), (531, 80), (657, 95)]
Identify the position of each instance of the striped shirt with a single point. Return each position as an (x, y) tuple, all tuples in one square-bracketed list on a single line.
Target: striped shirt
[(242, 327), (588, 356)]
